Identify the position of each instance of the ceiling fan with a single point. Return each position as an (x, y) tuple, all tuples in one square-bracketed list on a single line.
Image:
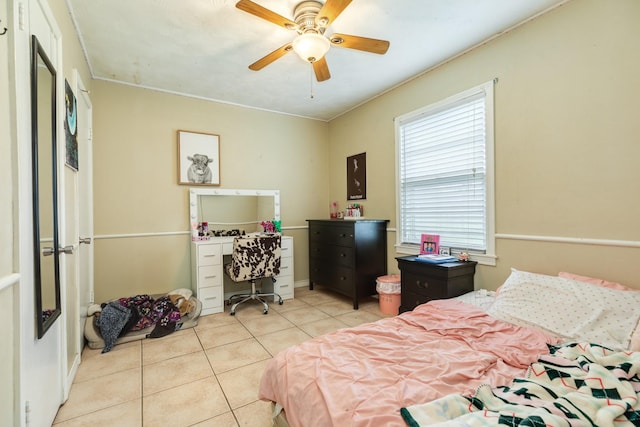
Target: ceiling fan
[(311, 20)]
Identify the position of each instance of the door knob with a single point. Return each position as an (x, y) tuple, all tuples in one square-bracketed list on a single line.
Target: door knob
[(47, 251), (66, 250), (85, 240)]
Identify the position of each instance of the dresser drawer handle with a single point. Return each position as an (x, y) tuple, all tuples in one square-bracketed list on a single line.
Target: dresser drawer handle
[(283, 268), (422, 285), (208, 298), (284, 286), (209, 255), (211, 277), (342, 254)]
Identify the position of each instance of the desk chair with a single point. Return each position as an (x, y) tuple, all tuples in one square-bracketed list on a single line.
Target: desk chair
[(254, 257)]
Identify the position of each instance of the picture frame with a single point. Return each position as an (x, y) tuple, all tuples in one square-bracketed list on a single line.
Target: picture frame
[(198, 158), (70, 127), (429, 244), (444, 250), (357, 177)]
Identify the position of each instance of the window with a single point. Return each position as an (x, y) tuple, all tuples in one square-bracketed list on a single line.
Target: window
[(445, 174)]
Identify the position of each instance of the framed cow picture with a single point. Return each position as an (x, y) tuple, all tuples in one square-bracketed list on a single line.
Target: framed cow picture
[(198, 158)]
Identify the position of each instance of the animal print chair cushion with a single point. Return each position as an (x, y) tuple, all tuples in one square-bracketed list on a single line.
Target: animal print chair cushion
[(255, 257)]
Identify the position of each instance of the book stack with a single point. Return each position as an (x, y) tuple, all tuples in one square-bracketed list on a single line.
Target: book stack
[(436, 258)]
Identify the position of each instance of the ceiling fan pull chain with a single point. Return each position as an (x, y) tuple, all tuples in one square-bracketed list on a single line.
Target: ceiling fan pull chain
[(310, 80)]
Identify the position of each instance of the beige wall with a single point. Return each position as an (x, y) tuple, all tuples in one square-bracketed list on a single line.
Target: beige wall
[(566, 135), (566, 155), (136, 190)]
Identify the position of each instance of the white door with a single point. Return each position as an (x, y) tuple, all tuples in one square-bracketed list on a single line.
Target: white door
[(78, 222), (85, 201), (41, 359)]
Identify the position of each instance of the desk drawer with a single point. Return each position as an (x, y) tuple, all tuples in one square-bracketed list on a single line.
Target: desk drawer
[(227, 248), (286, 266), (209, 275), (211, 297), (209, 254), (284, 287), (286, 247)]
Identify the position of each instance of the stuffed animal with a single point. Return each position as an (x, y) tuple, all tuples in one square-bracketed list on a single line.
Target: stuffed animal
[(181, 298)]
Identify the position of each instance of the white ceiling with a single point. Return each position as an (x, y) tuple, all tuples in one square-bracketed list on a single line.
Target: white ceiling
[(202, 48)]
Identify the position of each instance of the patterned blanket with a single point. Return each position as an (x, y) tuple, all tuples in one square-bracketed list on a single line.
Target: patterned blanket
[(575, 385)]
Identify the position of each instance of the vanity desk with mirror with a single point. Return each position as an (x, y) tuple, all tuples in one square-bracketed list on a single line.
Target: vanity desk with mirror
[(226, 211)]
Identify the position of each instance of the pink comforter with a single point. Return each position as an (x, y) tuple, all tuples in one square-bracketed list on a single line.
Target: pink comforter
[(362, 376)]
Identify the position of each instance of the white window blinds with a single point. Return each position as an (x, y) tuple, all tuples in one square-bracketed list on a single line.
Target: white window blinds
[(442, 173)]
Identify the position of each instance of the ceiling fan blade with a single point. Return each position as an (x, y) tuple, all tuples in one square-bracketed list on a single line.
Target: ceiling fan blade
[(361, 43), (268, 59), (330, 11), (321, 69), (264, 13)]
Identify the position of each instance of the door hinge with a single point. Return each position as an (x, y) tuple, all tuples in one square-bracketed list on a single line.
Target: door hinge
[(27, 411)]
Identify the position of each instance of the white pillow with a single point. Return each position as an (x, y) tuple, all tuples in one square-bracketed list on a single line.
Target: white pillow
[(571, 310)]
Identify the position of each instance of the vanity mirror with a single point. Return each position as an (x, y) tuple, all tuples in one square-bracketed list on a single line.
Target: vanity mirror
[(233, 209), (45, 200)]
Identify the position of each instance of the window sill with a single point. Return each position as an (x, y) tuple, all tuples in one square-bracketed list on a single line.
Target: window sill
[(482, 259)]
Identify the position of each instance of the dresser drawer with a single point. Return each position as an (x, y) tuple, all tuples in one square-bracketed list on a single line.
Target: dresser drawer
[(332, 254), (210, 275), (336, 235), (211, 297), (341, 279), (209, 254), (318, 271)]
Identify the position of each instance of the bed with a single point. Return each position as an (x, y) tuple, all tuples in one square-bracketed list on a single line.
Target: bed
[(365, 375)]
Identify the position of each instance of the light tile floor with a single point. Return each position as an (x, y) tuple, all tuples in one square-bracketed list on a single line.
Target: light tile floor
[(203, 376)]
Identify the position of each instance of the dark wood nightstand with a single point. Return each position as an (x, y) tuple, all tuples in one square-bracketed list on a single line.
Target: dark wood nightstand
[(424, 281)]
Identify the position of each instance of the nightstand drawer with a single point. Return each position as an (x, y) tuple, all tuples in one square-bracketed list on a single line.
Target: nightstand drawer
[(429, 287)]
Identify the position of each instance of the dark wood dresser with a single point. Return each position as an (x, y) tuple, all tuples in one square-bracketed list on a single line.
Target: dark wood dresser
[(423, 281), (347, 256)]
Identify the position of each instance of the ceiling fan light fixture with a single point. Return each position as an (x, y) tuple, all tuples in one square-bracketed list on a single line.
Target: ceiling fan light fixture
[(311, 46)]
